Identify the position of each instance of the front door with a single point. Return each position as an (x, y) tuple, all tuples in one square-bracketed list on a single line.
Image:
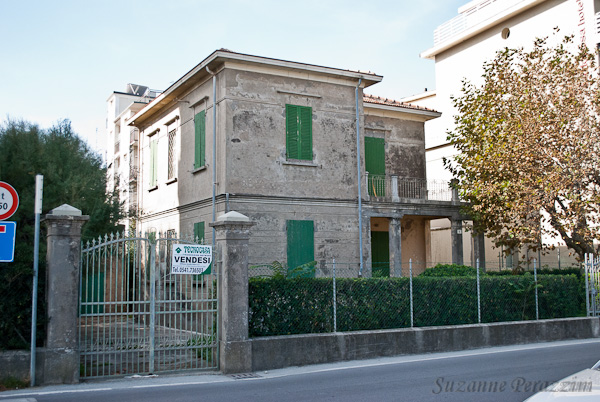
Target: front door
[(380, 252), (375, 165)]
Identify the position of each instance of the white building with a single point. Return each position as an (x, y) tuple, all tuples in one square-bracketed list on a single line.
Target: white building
[(463, 44), (122, 143)]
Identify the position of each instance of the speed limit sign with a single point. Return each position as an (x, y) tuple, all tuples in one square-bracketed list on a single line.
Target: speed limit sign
[(9, 200)]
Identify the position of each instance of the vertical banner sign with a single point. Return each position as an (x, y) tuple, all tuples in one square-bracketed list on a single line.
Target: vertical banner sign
[(193, 259)]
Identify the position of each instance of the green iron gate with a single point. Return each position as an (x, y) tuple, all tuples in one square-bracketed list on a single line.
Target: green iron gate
[(138, 318)]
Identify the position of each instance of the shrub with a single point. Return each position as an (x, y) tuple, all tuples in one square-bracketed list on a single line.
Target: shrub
[(280, 306), (441, 270)]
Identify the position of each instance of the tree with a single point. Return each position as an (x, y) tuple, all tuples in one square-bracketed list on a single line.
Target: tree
[(73, 175), (529, 147)]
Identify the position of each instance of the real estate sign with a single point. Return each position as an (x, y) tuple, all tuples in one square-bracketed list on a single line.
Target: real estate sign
[(193, 259)]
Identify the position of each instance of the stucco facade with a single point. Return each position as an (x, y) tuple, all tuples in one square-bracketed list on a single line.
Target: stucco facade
[(461, 46), (255, 173)]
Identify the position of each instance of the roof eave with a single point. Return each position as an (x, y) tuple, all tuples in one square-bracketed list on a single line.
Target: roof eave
[(424, 114), (218, 57)]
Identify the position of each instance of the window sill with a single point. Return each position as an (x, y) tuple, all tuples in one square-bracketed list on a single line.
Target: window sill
[(201, 168), (298, 162), (153, 188), (171, 181)]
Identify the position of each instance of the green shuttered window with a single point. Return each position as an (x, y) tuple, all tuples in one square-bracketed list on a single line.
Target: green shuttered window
[(298, 132), (199, 232), (199, 139), (375, 165), (300, 243), (153, 162)]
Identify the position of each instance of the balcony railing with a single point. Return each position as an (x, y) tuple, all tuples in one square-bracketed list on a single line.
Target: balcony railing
[(468, 18), (134, 134), (133, 173), (393, 188)]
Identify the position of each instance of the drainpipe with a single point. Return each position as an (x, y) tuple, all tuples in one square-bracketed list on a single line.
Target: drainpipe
[(360, 240), (214, 161)]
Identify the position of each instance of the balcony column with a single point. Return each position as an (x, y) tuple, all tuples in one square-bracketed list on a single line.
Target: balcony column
[(479, 250), (457, 241), (395, 197), (395, 234)]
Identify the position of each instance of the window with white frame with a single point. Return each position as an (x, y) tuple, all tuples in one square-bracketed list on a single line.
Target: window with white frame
[(171, 174)]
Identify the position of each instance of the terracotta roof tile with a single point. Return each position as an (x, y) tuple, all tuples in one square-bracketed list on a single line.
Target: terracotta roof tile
[(391, 102)]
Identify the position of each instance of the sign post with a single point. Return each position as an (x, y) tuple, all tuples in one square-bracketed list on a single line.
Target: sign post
[(39, 186)]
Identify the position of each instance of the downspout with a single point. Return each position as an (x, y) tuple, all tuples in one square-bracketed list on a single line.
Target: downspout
[(360, 229), (214, 161)]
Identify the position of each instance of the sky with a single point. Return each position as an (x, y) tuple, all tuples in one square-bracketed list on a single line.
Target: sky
[(62, 59)]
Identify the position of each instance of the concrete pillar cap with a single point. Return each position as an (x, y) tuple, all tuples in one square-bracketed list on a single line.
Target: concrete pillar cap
[(233, 216), (65, 209)]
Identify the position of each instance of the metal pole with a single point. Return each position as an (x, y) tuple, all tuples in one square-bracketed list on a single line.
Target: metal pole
[(334, 301), (39, 190), (360, 240), (478, 295), (152, 303), (537, 313), (411, 292), (214, 151)]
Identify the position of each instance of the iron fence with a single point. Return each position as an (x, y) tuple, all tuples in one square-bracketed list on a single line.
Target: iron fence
[(592, 285), (331, 297)]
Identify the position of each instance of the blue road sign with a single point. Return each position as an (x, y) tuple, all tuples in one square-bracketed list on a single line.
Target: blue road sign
[(8, 232)]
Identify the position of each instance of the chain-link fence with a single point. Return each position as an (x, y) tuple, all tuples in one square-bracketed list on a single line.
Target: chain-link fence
[(330, 296)]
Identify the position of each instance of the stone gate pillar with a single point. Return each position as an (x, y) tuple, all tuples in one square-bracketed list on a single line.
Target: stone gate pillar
[(61, 361), (232, 237)]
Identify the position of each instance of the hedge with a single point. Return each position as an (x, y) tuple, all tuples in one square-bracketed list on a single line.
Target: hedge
[(305, 305)]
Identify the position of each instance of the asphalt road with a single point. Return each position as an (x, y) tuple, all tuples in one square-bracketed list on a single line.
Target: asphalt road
[(495, 374)]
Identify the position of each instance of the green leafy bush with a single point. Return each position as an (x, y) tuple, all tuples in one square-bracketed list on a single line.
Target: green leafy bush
[(305, 305), (450, 270)]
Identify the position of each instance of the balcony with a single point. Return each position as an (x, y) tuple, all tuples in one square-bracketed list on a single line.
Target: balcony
[(133, 173), (117, 147), (468, 18), (388, 188), (134, 135)]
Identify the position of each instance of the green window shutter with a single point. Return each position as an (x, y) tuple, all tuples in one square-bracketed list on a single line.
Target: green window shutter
[(298, 128), (375, 165), (305, 134), (153, 162), (291, 131), (300, 243), (199, 139), (199, 232)]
